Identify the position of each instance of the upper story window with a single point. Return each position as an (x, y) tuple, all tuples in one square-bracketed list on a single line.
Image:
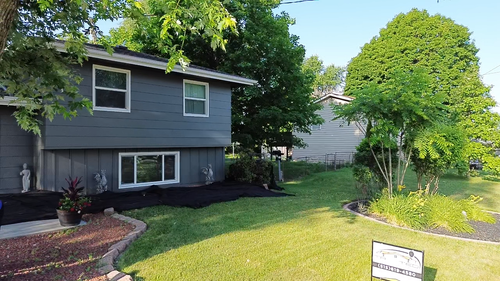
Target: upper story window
[(111, 89), (315, 127), (196, 98)]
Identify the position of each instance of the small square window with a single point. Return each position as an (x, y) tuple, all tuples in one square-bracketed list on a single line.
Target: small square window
[(111, 89), (196, 98), (315, 127)]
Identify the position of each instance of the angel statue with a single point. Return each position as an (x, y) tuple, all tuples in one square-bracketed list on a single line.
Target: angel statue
[(102, 182), (209, 174), (26, 173)]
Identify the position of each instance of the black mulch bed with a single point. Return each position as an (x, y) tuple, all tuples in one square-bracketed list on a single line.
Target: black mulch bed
[(40, 205), (483, 231)]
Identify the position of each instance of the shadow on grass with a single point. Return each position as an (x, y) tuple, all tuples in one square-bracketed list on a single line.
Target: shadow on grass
[(429, 273)]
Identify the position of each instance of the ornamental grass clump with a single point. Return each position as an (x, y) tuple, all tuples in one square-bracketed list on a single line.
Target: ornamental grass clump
[(402, 210), (419, 211), (72, 200)]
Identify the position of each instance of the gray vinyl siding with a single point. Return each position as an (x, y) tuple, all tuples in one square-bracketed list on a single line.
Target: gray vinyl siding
[(156, 119), (59, 164), (335, 136), (16, 148)]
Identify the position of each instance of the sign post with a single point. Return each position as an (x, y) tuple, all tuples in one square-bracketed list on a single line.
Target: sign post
[(390, 262)]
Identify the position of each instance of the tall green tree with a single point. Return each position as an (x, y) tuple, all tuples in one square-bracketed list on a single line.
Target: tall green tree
[(398, 112), (264, 50), (41, 78), (446, 50), (326, 79)]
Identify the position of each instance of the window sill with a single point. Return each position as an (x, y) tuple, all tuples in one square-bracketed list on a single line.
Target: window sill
[(196, 115), (111, 109), (125, 186)]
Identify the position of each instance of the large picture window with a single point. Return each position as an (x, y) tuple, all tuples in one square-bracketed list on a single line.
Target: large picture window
[(147, 168), (111, 89), (196, 98)]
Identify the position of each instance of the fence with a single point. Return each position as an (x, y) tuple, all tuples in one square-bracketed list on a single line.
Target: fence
[(332, 161)]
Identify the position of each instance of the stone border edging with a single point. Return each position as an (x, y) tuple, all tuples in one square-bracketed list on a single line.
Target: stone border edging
[(108, 259), (346, 207)]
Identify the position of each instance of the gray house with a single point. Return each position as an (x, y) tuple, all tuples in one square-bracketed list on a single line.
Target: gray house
[(147, 128), (333, 137)]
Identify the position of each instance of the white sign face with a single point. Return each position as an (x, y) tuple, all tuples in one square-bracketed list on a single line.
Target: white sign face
[(391, 262)]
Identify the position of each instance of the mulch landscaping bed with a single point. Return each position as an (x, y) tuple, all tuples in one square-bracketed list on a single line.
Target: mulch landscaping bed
[(39, 205), (72, 254), (483, 231)]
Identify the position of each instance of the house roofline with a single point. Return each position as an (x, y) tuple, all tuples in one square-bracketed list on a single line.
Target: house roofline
[(10, 101), (334, 96), (157, 64)]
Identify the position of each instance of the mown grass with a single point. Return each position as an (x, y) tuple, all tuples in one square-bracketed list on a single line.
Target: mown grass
[(305, 237)]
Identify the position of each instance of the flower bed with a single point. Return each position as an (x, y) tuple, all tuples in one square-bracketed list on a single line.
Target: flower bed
[(72, 254)]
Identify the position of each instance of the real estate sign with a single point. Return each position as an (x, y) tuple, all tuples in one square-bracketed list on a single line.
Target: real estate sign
[(390, 262)]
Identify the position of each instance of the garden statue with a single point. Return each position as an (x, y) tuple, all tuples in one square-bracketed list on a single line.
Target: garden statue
[(209, 174), (102, 182), (26, 173)]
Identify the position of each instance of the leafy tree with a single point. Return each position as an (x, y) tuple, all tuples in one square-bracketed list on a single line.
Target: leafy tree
[(263, 50), (436, 149), (446, 50), (41, 78), (398, 111), (326, 79)]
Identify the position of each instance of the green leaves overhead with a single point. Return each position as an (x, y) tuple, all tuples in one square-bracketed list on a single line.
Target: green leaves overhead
[(43, 80), (261, 48), (448, 55), (326, 79)]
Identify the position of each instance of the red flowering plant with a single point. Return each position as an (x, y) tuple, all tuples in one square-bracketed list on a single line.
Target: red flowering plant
[(72, 200)]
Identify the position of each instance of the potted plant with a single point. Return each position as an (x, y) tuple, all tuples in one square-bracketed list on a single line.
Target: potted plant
[(71, 206)]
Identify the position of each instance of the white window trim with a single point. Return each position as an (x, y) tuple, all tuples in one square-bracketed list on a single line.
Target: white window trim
[(206, 99), (127, 92), (142, 184), (319, 128)]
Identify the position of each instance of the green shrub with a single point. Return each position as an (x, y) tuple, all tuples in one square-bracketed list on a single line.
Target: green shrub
[(366, 182), (491, 178), (247, 169), (364, 157), (419, 211), (474, 173)]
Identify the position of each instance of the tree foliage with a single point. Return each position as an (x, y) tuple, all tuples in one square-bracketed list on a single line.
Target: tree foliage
[(326, 79), (398, 111), (436, 149), (447, 52), (42, 79), (264, 50)]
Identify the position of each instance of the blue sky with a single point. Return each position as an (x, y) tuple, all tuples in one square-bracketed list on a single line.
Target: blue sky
[(335, 30)]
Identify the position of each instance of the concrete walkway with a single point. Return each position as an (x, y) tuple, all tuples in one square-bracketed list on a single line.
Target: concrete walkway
[(32, 227)]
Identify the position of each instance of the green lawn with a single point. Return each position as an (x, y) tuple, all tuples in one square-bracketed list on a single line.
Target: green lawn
[(305, 237)]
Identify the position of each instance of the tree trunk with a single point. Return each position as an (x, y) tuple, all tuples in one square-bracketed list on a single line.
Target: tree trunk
[(430, 179), (419, 181), (390, 173), (8, 12), (436, 185)]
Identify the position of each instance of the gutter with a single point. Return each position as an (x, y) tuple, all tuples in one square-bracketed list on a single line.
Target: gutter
[(145, 62)]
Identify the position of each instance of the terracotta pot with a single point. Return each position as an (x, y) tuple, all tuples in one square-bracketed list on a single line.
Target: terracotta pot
[(67, 218)]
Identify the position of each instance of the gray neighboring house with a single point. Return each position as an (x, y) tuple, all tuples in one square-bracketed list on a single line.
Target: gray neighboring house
[(147, 128), (333, 137)]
